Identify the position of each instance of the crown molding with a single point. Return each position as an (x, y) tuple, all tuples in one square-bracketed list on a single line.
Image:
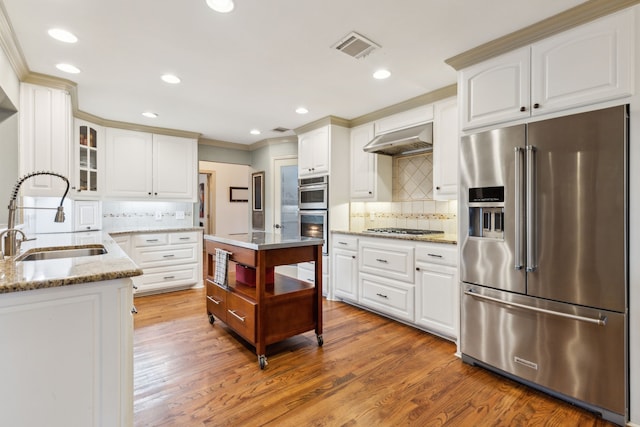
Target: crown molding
[(563, 21), (9, 43), (418, 101), (325, 121), (224, 144)]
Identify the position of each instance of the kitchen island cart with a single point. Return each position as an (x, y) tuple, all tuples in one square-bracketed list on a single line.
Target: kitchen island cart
[(265, 308)]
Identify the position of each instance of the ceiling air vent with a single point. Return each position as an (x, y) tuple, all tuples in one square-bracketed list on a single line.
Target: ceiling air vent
[(280, 129), (355, 45)]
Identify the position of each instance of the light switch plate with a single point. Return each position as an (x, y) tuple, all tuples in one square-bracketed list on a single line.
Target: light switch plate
[(158, 216), (179, 214)]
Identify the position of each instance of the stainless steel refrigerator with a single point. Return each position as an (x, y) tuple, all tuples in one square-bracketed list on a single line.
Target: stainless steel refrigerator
[(544, 256)]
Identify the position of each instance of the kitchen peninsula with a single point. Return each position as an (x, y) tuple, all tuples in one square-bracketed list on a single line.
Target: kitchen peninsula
[(259, 305)]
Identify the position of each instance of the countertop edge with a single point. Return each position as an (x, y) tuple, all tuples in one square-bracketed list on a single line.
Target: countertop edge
[(428, 238), (153, 230)]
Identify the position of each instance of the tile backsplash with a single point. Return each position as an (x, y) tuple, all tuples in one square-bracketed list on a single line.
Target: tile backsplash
[(136, 215), (412, 178), (413, 205)]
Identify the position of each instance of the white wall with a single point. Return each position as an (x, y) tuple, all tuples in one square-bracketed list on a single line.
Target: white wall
[(230, 217)]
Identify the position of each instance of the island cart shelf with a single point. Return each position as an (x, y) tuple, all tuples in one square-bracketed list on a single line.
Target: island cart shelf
[(265, 313)]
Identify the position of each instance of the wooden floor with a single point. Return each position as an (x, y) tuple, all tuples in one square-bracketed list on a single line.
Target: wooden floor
[(370, 372)]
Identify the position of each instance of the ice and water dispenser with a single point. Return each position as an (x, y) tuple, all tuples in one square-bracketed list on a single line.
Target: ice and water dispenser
[(486, 212)]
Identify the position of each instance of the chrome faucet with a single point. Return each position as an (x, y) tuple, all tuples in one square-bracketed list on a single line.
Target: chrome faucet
[(11, 243)]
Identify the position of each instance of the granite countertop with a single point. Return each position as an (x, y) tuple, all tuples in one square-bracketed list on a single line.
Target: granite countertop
[(138, 230), (29, 275), (260, 240), (449, 238)]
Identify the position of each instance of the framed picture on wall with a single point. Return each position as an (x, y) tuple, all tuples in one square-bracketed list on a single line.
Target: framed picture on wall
[(238, 194)]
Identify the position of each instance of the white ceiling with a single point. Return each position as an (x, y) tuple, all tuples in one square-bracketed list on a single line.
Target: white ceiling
[(253, 67)]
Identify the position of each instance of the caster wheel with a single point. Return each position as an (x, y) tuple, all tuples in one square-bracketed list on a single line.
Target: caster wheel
[(320, 341), (211, 319), (262, 360)]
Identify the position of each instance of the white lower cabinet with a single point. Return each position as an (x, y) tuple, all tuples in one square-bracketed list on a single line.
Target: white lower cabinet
[(169, 260), (71, 361), (414, 282), (387, 296), (345, 267)]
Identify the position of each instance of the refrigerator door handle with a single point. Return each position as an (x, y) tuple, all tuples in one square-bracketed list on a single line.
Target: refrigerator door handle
[(518, 211), (602, 321), (531, 209)]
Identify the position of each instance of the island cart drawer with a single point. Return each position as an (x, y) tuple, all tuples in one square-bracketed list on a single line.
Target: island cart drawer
[(217, 301), (240, 255), (241, 316)]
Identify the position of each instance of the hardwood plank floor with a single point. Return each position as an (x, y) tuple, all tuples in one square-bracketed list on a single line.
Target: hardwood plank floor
[(371, 371)]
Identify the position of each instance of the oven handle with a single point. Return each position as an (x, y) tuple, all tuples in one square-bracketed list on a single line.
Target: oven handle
[(313, 187)]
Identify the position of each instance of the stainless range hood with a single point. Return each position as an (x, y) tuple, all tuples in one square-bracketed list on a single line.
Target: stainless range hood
[(413, 140)]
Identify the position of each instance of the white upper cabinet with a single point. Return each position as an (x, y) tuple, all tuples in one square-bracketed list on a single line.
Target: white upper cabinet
[(588, 64), (142, 166), (370, 173), (87, 215), (445, 150), (129, 163), (45, 138), (175, 167), (87, 177), (584, 65), (496, 90), (314, 152)]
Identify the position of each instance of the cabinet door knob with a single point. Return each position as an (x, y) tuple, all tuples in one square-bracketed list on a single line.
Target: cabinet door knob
[(523, 109), (437, 188), (149, 192), (417, 268), (370, 192), (536, 105), (353, 256)]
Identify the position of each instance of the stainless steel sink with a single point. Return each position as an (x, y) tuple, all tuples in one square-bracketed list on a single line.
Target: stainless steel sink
[(40, 255)]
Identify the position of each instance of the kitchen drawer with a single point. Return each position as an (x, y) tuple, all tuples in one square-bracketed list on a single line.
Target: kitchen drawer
[(141, 240), (387, 260), (311, 266), (341, 241), (187, 237), (241, 316), (437, 253), (166, 256), (167, 277), (387, 296), (217, 301)]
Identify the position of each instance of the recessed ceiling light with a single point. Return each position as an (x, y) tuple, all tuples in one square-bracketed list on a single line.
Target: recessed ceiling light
[(150, 114), (254, 132), (222, 6), (170, 78), (381, 74), (67, 68), (301, 110), (62, 35)]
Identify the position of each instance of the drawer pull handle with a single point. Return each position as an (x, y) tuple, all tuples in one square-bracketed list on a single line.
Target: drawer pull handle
[(311, 279), (342, 243), (169, 277), (216, 302), (382, 296), (134, 310), (185, 238), (152, 240), (168, 256), (384, 261), (435, 255), (233, 312)]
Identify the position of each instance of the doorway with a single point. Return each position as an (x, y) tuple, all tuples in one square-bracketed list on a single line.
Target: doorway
[(285, 193), (207, 201)]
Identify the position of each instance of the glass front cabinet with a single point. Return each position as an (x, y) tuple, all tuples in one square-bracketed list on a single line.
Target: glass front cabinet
[(88, 144)]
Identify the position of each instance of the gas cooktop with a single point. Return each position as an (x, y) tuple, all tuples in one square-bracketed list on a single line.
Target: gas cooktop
[(394, 230)]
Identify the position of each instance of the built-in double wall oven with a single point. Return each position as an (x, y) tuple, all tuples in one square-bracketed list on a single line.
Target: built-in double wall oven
[(313, 201)]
